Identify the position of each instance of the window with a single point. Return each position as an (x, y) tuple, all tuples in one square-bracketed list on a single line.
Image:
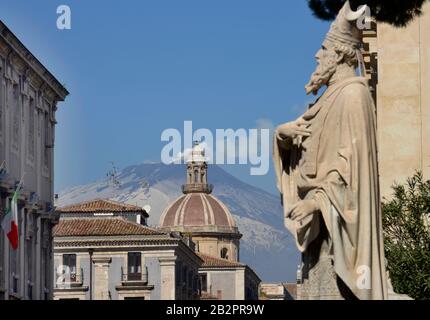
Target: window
[(224, 253), (47, 140), (204, 282), (31, 129), (15, 116), (178, 273), (184, 275), (1, 103), (69, 263), (134, 263)]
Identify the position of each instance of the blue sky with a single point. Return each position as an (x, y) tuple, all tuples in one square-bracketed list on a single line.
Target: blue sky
[(135, 68)]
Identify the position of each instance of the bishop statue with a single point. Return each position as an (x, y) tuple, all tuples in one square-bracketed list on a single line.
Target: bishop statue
[(327, 172)]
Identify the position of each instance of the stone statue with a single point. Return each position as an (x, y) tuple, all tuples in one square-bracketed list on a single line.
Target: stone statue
[(327, 173)]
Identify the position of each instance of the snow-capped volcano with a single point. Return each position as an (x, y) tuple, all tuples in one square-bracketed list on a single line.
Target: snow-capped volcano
[(266, 246)]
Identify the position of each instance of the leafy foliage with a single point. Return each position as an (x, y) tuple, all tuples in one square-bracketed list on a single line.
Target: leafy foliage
[(406, 223), (396, 12)]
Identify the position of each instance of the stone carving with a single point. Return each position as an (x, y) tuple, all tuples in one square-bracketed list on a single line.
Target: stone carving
[(326, 166)]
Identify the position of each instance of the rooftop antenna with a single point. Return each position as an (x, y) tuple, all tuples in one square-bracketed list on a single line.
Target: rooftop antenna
[(112, 176)]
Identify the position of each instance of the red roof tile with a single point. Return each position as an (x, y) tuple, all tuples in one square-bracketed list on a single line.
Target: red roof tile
[(100, 206), (210, 261), (116, 226)]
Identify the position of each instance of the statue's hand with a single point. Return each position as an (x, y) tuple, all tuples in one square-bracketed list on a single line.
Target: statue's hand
[(302, 209), (294, 129)]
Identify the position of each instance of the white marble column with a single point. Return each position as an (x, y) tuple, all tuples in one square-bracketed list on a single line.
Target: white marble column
[(101, 277), (168, 280), (240, 284)]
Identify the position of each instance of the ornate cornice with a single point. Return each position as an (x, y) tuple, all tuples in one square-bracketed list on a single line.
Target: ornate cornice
[(31, 66), (206, 231), (144, 240)]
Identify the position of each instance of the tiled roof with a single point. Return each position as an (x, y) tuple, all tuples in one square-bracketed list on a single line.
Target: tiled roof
[(100, 206), (213, 262), (116, 226)]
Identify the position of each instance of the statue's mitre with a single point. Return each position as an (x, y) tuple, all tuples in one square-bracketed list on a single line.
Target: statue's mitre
[(345, 29)]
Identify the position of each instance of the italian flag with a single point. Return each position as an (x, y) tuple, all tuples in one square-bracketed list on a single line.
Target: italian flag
[(10, 220)]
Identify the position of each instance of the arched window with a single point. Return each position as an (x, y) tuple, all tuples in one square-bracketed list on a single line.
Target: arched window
[(224, 253), (196, 176)]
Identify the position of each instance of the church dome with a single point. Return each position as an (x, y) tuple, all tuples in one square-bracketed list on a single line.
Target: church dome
[(198, 211)]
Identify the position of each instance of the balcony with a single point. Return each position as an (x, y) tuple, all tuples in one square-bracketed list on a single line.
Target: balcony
[(134, 278), (69, 279)]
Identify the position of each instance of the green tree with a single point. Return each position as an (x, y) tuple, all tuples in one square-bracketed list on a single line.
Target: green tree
[(396, 12), (406, 224)]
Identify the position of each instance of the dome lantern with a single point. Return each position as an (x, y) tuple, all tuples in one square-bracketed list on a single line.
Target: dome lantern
[(197, 172)]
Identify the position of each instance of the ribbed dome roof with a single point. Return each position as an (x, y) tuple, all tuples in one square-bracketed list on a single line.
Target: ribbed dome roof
[(198, 210)]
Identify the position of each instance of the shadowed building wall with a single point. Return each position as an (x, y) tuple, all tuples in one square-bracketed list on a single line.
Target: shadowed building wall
[(403, 99)]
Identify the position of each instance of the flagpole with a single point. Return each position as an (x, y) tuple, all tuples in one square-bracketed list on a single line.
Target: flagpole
[(3, 166), (21, 181)]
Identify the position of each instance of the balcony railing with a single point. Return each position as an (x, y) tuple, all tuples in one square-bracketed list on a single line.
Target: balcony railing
[(69, 279), (197, 187), (139, 277)]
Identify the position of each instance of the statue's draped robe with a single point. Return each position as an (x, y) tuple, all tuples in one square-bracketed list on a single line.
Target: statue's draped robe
[(341, 245)]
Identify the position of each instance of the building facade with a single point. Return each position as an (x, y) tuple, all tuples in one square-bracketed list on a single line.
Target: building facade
[(29, 95), (222, 279), (103, 252), (399, 65)]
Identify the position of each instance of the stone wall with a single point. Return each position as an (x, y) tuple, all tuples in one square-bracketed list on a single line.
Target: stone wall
[(403, 100), (163, 263), (223, 284)]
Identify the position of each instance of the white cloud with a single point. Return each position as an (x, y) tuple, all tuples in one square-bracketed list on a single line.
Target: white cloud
[(263, 123)]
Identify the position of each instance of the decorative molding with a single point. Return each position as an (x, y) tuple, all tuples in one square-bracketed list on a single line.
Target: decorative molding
[(71, 290), (135, 288), (145, 240), (167, 261), (102, 260), (19, 52)]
